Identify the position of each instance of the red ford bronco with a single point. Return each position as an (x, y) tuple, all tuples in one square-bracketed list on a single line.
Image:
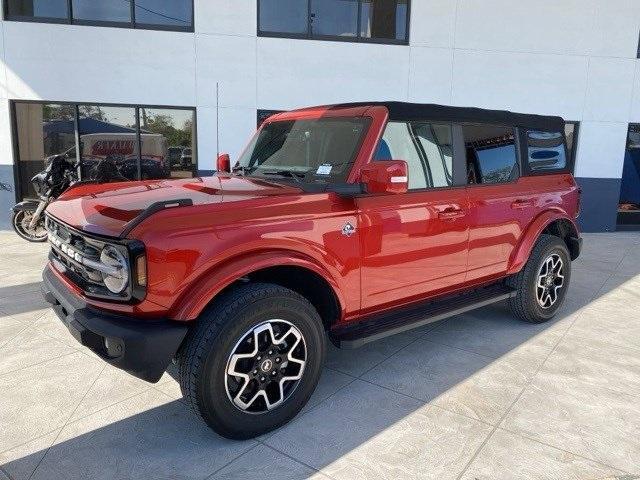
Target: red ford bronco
[(347, 222)]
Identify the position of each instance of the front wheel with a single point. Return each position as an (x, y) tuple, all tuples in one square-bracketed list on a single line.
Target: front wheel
[(541, 286), (253, 360), (21, 220)]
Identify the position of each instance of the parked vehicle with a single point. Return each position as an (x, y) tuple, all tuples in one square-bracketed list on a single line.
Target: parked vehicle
[(348, 222), (27, 217), (121, 149), (186, 159), (175, 155)]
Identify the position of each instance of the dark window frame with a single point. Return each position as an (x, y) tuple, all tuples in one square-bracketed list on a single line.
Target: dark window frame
[(76, 117), (571, 158), (336, 38), (99, 23)]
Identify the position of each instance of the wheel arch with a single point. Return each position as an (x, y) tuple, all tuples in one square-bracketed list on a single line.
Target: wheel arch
[(292, 270), (553, 223)]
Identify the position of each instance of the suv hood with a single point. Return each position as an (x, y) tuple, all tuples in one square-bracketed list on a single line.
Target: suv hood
[(107, 209)]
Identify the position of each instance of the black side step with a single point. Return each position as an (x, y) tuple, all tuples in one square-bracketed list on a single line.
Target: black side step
[(382, 325)]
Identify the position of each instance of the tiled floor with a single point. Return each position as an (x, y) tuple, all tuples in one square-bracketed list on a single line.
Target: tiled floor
[(479, 396)]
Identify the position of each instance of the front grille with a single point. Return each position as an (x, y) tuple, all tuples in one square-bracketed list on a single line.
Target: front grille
[(73, 253), (72, 249)]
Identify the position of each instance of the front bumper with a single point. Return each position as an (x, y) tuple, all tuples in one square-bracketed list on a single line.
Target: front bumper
[(143, 348)]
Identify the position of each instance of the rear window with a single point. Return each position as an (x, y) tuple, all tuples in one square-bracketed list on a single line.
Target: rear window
[(546, 151)]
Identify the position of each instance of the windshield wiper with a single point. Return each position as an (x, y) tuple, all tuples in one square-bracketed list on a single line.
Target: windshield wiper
[(286, 173)]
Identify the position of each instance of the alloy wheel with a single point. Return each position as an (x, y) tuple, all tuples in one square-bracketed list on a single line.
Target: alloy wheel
[(550, 281), (265, 366)]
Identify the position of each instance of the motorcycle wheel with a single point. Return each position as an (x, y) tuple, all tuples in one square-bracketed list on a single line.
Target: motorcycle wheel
[(20, 221)]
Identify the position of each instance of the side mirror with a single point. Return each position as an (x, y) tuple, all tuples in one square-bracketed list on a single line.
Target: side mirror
[(385, 176), (224, 163)]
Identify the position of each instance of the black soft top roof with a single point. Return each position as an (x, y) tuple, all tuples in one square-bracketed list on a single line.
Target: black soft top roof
[(426, 111)]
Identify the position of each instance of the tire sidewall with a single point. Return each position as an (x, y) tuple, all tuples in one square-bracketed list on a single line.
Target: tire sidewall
[(559, 248), (212, 397)]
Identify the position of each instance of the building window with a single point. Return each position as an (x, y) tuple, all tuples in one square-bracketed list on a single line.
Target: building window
[(151, 14), (629, 203), (380, 21), (107, 142)]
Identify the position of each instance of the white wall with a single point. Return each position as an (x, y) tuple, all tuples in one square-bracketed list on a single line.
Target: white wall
[(575, 58)]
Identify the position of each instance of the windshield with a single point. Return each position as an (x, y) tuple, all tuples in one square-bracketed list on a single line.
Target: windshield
[(313, 150)]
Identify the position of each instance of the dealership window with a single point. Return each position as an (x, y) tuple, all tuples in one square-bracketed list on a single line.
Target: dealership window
[(491, 154), (383, 21), (153, 14), (629, 204), (115, 143)]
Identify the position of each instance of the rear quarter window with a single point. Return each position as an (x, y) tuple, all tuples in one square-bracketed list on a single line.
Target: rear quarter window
[(546, 152)]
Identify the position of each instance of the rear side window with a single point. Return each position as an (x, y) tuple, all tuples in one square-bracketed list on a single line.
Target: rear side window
[(546, 151), (491, 154)]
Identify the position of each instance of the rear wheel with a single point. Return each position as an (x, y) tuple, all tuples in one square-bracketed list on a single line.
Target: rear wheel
[(253, 360), (541, 286), (21, 220)]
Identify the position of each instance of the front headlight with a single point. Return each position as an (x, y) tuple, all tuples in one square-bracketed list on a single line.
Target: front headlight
[(117, 280)]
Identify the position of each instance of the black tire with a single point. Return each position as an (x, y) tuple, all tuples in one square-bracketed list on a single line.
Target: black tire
[(525, 303), (204, 357), (16, 221)]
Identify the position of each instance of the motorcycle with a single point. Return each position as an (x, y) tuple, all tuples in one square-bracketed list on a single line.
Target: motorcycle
[(27, 217)]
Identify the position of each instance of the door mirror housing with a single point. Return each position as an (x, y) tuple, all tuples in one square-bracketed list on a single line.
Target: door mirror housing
[(224, 163), (385, 176)]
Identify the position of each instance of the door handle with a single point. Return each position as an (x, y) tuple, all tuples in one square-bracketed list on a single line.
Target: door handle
[(522, 203), (451, 213)]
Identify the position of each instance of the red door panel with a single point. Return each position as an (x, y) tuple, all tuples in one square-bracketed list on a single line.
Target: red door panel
[(413, 245), (498, 215)]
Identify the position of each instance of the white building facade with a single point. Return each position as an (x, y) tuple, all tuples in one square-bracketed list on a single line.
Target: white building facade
[(62, 58)]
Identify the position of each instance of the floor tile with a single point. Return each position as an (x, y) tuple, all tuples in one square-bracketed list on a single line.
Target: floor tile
[(357, 361), (21, 461), (367, 432), (490, 331), (460, 381), (264, 463), (341, 423), (52, 326), (30, 347), (146, 437), (111, 386), (9, 328), (42, 397), (597, 362), (510, 456), (592, 421)]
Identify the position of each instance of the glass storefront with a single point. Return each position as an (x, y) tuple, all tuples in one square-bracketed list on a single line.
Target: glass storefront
[(115, 143), (44, 130), (629, 205)]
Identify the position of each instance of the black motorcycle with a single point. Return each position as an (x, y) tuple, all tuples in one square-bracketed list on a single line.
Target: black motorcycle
[(27, 218), (59, 174)]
